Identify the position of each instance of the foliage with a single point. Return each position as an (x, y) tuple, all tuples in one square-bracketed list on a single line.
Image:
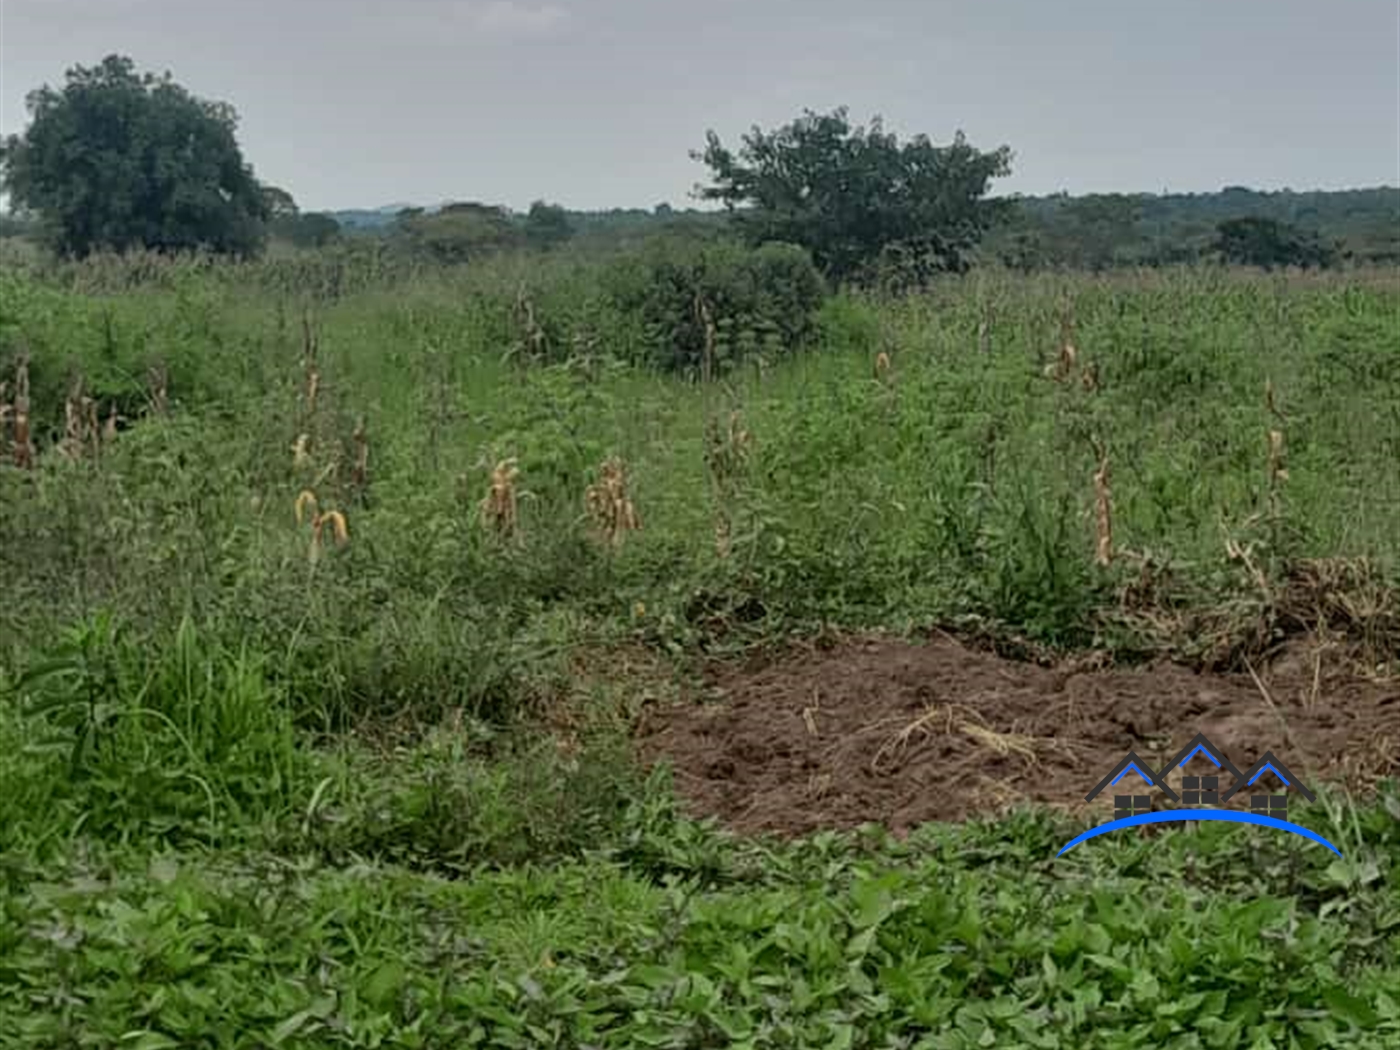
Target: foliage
[(673, 935), (1270, 244), (458, 233), (850, 194), (1102, 231), (117, 160), (707, 308), (196, 849), (547, 225)]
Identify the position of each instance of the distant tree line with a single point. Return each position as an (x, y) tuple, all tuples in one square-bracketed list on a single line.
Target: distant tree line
[(1236, 225), (117, 159)]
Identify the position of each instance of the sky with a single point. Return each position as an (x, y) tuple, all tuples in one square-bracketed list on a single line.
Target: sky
[(598, 103)]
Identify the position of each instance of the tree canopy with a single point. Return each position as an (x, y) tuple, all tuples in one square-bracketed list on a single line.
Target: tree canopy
[(118, 159), (855, 196), (458, 232), (1253, 241), (547, 225)]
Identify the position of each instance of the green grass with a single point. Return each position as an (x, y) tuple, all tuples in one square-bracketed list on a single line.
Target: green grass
[(251, 800)]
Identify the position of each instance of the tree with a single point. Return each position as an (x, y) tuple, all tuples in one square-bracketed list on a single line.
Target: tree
[(458, 232), (278, 203), (307, 229), (547, 225), (1254, 241), (1101, 229), (117, 160), (854, 195)]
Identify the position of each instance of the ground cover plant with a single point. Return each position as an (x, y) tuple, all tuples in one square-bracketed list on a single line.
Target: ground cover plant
[(348, 603)]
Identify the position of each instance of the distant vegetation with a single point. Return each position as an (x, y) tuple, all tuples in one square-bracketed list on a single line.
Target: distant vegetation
[(106, 164)]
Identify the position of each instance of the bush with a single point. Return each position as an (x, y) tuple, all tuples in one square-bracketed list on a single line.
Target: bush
[(719, 303)]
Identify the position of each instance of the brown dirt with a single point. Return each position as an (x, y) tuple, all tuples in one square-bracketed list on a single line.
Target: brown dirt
[(900, 733)]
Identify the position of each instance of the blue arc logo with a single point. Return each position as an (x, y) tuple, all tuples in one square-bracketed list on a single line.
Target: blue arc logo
[(1198, 814)]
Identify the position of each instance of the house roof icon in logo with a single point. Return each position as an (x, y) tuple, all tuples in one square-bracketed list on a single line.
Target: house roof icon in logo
[(1198, 744), (1267, 763), (1131, 764)]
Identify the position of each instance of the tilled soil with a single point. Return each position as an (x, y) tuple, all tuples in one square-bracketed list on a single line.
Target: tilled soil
[(900, 733)]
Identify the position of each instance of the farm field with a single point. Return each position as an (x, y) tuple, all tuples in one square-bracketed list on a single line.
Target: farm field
[(405, 660)]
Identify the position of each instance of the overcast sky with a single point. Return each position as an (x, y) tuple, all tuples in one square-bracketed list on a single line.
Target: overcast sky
[(596, 103)]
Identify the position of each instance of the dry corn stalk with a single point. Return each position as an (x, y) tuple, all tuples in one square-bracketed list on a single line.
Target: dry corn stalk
[(80, 430), (725, 454), (1278, 471), (1103, 510), (534, 337), (305, 506), (23, 442), (609, 504), (7, 412), (310, 346), (1090, 377), (361, 472), (301, 451), (500, 509), (158, 382), (109, 428), (882, 365), (340, 532), (1059, 370), (706, 318), (1270, 403)]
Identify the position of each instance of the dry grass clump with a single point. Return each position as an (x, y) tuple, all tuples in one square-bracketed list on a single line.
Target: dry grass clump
[(609, 504), (964, 721)]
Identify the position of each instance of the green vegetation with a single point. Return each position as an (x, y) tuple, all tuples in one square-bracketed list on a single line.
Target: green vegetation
[(856, 197), (118, 160), (1114, 231), (381, 796), (336, 580)]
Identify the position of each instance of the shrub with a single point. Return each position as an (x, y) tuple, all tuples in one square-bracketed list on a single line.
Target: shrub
[(707, 307)]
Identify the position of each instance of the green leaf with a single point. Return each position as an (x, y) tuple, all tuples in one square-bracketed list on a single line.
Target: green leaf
[(1348, 1006), (148, 1040), (384, 983)]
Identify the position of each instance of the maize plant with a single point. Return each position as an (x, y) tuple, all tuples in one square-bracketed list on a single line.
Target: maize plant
[(499, 509), (610, 505)]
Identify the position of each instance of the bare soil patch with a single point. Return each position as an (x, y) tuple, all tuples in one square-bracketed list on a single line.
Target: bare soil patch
[(900, 733)]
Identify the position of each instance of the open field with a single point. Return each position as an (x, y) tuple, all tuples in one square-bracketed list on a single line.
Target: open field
[(349, 677)]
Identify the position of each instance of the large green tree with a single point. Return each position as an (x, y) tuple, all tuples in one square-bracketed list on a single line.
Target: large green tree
[(118, 159), (856, 195)]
